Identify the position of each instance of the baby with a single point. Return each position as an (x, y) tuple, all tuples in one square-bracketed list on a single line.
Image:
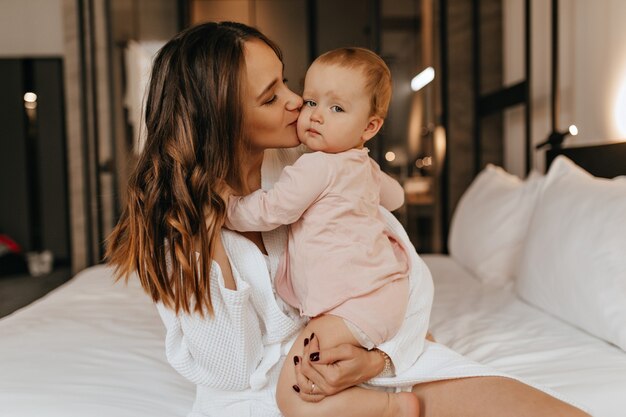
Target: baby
[(341, 266)]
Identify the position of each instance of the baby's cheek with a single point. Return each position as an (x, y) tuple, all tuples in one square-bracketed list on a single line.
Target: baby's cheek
[(301, 128)]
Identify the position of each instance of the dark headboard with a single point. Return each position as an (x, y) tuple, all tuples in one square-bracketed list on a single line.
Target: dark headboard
[(604, 160)]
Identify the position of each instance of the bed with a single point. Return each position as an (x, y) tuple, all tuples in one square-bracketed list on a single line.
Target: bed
[(89, 348), (493, 326), (535, 282), (95, 348)]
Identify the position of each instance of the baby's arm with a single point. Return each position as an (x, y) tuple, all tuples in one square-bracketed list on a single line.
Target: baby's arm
[(299, 186), (391, 192)]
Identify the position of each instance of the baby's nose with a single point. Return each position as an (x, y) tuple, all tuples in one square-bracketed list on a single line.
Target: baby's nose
[(316, 116)]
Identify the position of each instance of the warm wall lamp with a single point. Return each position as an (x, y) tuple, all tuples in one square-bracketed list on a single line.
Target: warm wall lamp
[(422, 79), (620, 110), (556, 139)]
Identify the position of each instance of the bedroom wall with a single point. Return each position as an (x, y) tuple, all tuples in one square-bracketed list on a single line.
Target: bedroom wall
[(31, 28), (599, 70), (97, 134), (460, 148), (139, 20), (93, 124), (34, 195), (50, 28), (592, 55), (284, 21)]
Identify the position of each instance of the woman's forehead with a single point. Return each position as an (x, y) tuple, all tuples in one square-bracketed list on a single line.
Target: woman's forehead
[(262, 65)]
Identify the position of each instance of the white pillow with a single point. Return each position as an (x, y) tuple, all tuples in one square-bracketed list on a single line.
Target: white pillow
[(574, 261), (490, 223)]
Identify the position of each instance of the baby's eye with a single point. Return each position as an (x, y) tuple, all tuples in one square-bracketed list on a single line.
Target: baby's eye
[(310, 103), (336, 109)]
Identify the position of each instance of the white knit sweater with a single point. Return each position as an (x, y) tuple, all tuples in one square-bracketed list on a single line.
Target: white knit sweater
[(235, 357)]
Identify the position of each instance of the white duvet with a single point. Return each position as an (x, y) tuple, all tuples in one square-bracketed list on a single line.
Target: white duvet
[(94, 348), (492, 326), (89, 349)]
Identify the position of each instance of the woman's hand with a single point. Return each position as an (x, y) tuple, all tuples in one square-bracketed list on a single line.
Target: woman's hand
[(335, 369)]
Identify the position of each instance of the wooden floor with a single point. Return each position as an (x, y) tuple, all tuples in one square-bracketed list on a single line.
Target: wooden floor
[(17, 291)]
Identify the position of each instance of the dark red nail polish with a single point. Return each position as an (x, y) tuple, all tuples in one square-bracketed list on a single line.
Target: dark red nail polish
[(296, 388), (312, 336), (315, 356), (296, 360), (306, 341)]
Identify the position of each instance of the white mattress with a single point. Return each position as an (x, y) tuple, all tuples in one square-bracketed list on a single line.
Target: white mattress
[(492, 326)]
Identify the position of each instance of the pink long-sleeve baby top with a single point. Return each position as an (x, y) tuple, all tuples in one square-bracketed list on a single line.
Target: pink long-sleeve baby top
[(339, 248)]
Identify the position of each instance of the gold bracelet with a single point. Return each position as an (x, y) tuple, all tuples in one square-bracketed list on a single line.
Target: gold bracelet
[(388, 369)]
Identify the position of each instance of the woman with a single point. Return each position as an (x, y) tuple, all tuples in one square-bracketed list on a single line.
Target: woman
[(217, 101)]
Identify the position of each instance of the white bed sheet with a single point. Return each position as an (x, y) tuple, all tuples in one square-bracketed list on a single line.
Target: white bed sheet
[(94, 348), (492, 326), (77, 353)]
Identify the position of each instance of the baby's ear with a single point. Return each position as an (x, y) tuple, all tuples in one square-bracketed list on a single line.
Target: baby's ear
[(373, 126)]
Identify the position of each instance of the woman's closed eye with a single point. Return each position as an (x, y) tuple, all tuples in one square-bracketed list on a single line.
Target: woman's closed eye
[(274, 96), (271, 100), (336, 109)]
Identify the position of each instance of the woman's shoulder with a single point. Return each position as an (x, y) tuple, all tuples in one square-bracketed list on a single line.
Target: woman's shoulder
[(284, 156), (239, 249), (275, 160), (234, 243)]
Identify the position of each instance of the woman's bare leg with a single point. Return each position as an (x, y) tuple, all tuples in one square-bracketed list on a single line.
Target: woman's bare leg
[(489, 397), (358, 402)]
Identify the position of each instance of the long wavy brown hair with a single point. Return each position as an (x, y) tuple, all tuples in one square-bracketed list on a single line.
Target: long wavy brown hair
[(195, 142)]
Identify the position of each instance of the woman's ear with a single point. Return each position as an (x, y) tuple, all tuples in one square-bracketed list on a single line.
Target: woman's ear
[(373, 126)]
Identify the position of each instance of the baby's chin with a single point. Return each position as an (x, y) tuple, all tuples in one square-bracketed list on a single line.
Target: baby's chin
[(313, 145), (303, 139), (308, 144)]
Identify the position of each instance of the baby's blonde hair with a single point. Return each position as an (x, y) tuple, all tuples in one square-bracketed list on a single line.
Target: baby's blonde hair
[(376, 72)]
